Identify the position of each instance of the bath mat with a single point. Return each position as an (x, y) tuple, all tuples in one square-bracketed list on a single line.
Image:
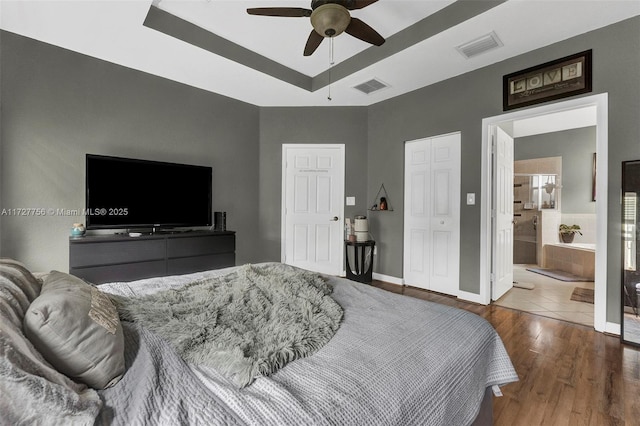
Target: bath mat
[(559, 275), (527, 286), (582, 295)]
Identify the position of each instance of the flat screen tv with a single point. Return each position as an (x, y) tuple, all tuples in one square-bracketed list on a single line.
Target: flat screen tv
[(131, 193)]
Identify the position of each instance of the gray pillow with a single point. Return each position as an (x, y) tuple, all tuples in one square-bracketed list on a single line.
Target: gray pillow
[(31, 389), (18, 289), (77, 329)]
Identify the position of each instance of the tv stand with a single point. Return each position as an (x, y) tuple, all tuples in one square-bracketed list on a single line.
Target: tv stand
[(107, 258)]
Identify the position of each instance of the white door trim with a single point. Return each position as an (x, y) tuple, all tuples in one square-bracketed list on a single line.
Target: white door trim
[(285, 146), (602, 143)]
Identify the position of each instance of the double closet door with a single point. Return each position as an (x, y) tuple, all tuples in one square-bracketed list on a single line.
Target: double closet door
[(432, 214)]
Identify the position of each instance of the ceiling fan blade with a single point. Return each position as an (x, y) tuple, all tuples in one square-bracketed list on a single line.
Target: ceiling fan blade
[(359, 4), (313, 42), (364, 32), (290, 12)]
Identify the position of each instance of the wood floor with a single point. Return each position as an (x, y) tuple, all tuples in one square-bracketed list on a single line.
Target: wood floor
[(569, 373)]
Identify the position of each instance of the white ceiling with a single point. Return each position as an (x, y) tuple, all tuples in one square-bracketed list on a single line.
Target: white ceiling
[(114, 31), (283, 39)]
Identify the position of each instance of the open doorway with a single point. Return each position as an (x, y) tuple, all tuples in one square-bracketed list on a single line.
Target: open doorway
[(491, 245), (553, 187)]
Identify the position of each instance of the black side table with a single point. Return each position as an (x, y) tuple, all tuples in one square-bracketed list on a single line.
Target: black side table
[(361, 270)]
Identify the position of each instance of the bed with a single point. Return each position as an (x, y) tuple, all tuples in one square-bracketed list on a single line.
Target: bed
[(393, 360)]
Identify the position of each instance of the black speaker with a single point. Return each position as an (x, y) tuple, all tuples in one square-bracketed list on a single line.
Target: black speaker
[(219, 221)]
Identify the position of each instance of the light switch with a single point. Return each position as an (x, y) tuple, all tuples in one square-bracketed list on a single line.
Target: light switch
[(351, 201), (471, 198)]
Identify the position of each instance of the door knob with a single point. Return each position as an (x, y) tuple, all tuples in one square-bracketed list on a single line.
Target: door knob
[(335, 219)]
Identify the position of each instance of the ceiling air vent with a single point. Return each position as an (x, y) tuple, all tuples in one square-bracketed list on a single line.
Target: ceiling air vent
[(479, 45), (370, 86)]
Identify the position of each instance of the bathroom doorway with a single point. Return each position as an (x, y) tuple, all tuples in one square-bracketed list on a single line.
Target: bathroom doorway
[(553, 186), (558, 115)]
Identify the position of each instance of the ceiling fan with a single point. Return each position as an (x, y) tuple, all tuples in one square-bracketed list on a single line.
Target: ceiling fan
[(329, 18)]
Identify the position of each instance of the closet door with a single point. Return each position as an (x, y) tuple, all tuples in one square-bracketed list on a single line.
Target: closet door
[(416, 213), (432, 214)]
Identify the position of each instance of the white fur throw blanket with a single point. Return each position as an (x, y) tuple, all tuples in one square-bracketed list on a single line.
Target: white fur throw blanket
[(245, 324)]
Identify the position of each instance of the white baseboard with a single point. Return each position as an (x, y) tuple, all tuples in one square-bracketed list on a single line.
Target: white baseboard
[(471, 297), (464, 295), (612, 328), (388, 279)]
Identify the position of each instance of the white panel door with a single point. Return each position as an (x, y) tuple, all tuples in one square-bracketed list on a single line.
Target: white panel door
[(432, 214), (445, 214), (416, 213), (313, 219), (503, 205)]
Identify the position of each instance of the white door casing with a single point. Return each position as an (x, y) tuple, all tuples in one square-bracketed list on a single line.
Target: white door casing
[(432, 213), (312, 207), (503, 207), (600, 102)]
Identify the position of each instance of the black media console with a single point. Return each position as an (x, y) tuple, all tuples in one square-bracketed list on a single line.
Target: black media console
[(106, 258)]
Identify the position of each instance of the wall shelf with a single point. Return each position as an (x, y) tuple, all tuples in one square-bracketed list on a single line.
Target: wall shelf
[(382, 193)]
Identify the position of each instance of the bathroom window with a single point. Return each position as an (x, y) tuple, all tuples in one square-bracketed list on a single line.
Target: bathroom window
[(544, 191), (629, 230)]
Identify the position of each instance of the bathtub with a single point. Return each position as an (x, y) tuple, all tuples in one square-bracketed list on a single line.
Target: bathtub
[(574, 258), (582, 246)]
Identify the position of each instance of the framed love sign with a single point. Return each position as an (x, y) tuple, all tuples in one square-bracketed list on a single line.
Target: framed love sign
[(557, 79)]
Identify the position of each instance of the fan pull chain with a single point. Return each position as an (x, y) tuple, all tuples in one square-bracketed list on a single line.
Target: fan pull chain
[(331, 62)]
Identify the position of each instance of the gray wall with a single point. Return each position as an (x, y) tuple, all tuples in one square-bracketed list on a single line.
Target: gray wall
[(576, 147), (58, 105), (313, 125), (460, 104)]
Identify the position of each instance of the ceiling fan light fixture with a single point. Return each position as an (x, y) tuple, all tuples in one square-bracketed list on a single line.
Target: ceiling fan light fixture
[(330, 20)]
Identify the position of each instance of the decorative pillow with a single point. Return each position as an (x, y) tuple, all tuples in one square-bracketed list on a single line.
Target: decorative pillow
[(31, 389), (77, 329), (17, 290)]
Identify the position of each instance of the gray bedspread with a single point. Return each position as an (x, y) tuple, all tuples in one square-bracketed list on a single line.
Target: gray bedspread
[(394, 360), (159, 388)]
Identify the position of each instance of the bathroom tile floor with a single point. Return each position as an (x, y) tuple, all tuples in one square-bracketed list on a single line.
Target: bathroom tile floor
[(549, 298)]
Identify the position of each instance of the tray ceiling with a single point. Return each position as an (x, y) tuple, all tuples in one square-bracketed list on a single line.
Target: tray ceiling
[(216, 46)]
